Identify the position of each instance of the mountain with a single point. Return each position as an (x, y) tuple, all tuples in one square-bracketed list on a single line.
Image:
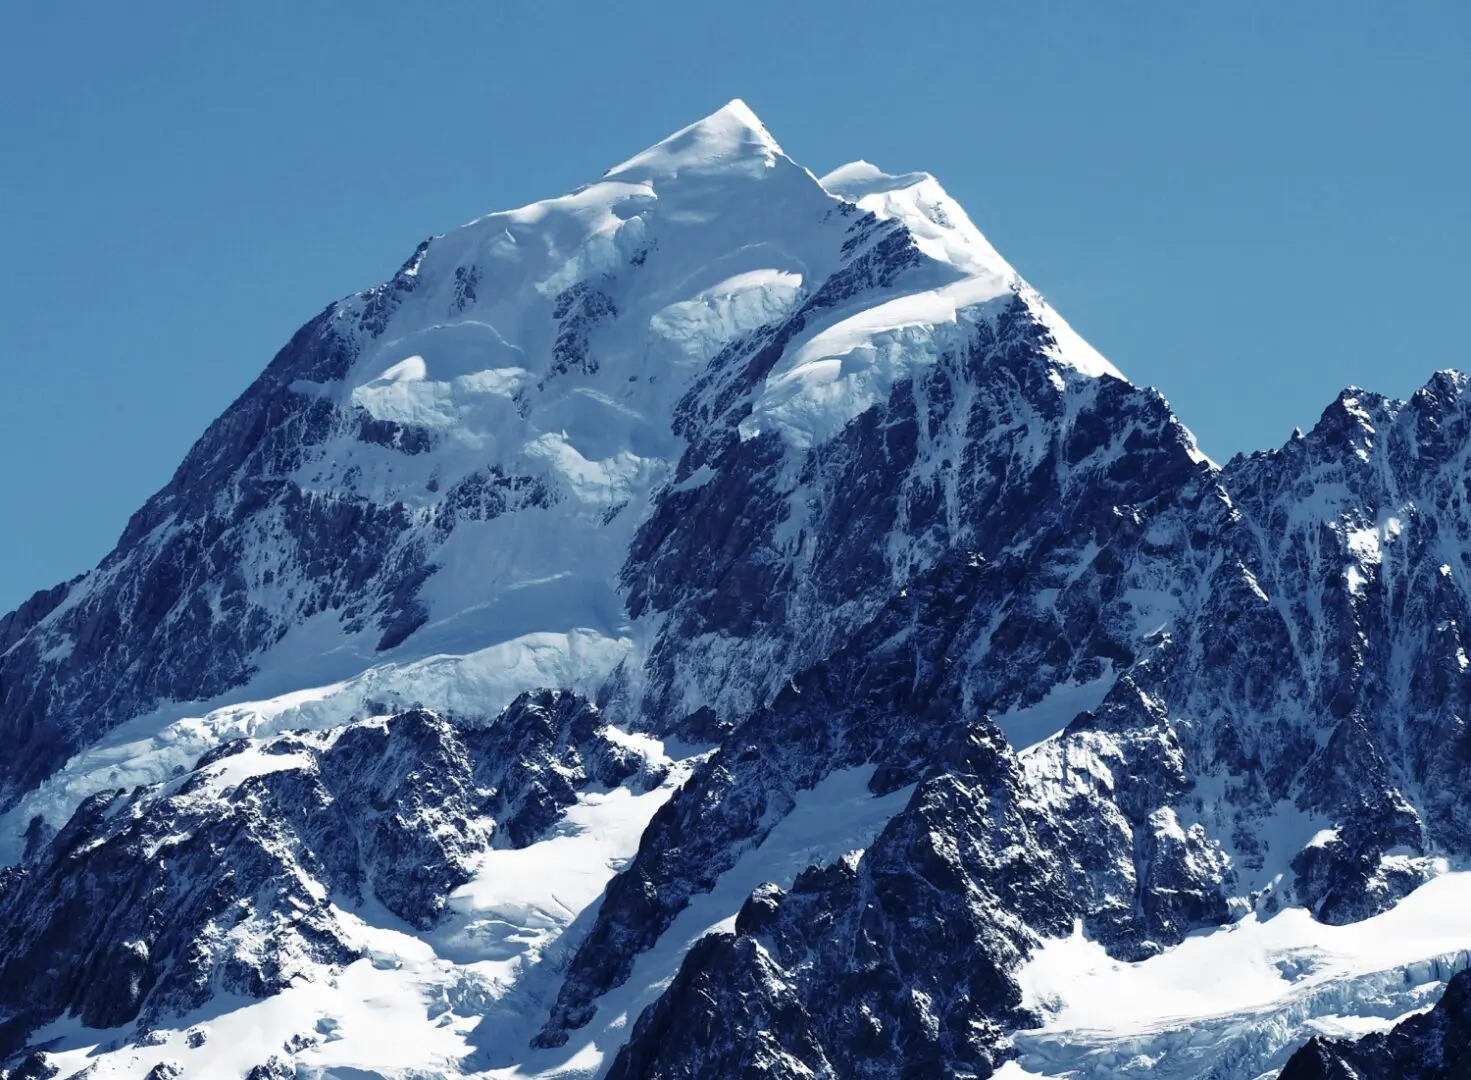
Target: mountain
[(722, 622)]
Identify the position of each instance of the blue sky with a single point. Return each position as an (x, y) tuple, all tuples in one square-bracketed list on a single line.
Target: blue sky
[(1248, 206)]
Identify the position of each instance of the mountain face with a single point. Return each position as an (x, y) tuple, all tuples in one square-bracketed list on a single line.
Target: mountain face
[(722, 622)]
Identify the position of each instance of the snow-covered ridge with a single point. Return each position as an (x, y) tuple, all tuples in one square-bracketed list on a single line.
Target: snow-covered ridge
[(474, 686), (943, 230), (732, 138)]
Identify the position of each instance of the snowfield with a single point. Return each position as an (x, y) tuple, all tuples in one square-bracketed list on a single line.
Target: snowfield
[(1235, 1002)]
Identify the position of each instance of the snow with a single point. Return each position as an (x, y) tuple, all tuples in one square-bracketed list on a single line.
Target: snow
[(697, 329), (842, 371), (1356, 1027), (456, 999), (1027, 726), (229, 773), (474, 684), (837, 817), (1012, 1070), (1365, 543), (371, 1017), (848, 367), (703, 240), (732, 138), (939, 226), (943, 230), (860, 179), (60, 651), (406, 394), (521, 900), (414, 1002), (1250, 985)]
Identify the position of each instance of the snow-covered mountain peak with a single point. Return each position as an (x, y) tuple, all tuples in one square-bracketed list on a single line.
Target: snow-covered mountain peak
[(731, 139), (515, 402), (718, 548), (705, 237), (1447, 381), (942, 229), (859, 178)]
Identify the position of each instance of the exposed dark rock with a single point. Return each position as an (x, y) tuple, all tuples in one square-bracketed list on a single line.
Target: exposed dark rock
[(146, 901)]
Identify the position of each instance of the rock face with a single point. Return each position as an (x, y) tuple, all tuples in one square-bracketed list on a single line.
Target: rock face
[(897, 962), (149, 902), (1430, 1046), (508, 634), (1272, 698)]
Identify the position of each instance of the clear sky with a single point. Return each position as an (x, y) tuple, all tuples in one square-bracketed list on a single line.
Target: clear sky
[(1247, 205)]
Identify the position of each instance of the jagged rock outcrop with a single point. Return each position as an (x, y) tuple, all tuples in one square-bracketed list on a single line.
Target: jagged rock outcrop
[(148, 902)]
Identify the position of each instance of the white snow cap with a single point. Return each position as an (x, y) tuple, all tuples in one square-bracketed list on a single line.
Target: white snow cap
[(829, 378), (859, 178), (943, 230), (731, 139), (939, 225)]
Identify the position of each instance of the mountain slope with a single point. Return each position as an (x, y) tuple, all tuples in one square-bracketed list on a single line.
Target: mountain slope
[(718, 548)]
